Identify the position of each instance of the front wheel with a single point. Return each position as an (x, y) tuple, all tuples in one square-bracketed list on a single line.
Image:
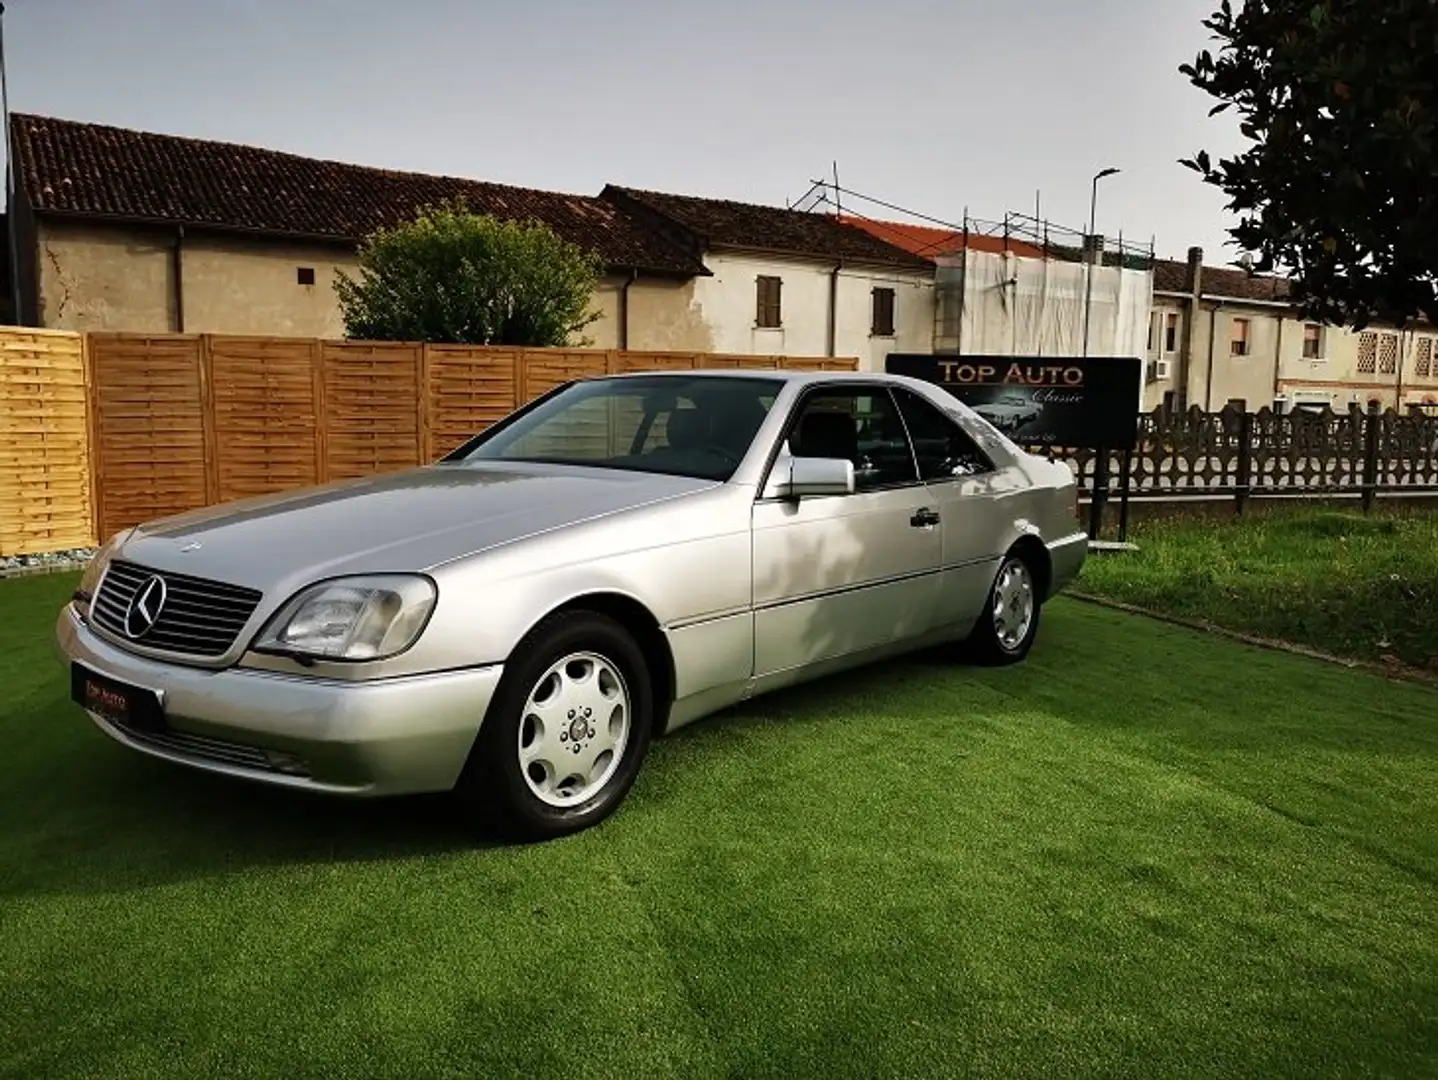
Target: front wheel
[(566, 731), (1010, 620)]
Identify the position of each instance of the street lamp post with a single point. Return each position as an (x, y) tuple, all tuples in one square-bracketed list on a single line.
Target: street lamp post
[(1088, 260)]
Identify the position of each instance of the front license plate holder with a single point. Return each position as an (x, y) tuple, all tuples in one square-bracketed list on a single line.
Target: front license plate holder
[(126, 706)]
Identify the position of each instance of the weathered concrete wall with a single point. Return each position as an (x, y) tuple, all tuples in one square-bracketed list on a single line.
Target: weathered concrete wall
[(253, 287), (103, 277), (666, 314)]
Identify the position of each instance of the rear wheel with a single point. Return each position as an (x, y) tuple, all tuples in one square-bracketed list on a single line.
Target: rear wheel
[(1010, 620), (566, 732)]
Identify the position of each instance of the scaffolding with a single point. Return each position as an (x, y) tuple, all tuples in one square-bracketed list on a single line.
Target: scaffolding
[(1022, 284)]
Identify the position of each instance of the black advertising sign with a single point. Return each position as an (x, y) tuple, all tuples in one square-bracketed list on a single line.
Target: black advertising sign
[(1090, 401)]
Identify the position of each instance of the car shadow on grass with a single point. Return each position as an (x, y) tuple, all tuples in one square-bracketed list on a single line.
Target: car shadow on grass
[(96, 817)]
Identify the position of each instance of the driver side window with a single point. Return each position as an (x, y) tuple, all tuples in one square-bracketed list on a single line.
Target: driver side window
[(861, 425)]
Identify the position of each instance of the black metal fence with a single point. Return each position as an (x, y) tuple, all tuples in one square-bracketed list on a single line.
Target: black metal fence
[(1240, 454)]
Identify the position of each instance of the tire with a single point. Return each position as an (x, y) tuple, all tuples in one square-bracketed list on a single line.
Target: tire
[(571, 670), (996, 641)]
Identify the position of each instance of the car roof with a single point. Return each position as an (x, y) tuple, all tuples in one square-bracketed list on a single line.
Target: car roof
[(778, 374), (799, 378)]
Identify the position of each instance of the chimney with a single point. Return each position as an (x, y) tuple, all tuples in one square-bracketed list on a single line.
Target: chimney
[(1193, 279)]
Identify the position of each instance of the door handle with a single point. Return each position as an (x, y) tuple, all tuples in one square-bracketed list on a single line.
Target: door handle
[(924, 517)]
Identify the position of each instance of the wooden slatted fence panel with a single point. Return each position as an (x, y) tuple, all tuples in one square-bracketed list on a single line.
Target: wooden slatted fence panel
[(151, 447), (818, 363), (265, 414), (468, 389), (541, 370), (624, 362), (176, 422), (45, 488), (372, 407), (766, 363)]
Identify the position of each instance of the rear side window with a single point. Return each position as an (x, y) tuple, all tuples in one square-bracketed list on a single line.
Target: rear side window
[(944, 450)]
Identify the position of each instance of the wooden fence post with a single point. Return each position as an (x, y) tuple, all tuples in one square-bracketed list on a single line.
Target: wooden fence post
[(209, 420), (1370, 456), (423, 422), (94, 477), (317, 377)]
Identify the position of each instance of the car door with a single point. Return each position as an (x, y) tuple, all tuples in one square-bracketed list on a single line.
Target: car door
[(974, 500), (836, 576)]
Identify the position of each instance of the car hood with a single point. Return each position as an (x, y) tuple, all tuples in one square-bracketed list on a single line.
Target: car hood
[(405, 521)]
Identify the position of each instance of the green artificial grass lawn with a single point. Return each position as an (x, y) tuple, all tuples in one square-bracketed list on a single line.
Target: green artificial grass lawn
[(1355, 586), (1145, 853)]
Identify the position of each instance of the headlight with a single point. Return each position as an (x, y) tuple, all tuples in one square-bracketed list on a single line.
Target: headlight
[(358, 618), (95, 568)]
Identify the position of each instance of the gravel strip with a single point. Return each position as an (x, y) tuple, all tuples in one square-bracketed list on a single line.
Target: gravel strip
[(48, 562)]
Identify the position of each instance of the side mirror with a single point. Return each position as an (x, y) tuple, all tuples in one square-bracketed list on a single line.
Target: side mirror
[(809, 477)]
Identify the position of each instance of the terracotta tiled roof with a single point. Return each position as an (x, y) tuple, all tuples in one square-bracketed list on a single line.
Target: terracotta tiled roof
[(931, 242), (99, 171), (1241, 285), (1170, 275), (722, 223)]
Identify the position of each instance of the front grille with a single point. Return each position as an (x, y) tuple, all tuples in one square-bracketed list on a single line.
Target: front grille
[(197, 746), (198, 618)]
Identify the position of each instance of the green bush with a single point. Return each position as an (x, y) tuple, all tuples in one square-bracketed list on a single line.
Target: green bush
[(457, 277)]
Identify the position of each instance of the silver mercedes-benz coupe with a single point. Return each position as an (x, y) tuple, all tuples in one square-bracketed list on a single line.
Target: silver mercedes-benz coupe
[(610, 562)]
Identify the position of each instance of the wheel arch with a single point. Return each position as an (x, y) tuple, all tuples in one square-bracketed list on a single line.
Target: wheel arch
[(639, 621), (1035, 552)]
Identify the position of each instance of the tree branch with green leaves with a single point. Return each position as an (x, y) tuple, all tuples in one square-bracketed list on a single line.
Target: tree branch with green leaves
[(1339, 187)]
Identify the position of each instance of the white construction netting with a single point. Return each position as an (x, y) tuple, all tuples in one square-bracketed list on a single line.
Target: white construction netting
[(1017, 306)]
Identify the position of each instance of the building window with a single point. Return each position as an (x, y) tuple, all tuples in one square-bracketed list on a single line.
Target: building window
[(1152, 331), (767, 313), (1423, 362), (1312, 341), (1388, 354), (305, 275), (883, 313), (1367, 352), (1238, 342), (1170, 332)]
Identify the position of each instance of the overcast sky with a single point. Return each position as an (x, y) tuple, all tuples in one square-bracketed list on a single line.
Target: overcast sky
[(933, 106)]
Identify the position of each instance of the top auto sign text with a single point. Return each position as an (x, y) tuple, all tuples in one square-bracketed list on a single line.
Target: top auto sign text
[(1016, 374)]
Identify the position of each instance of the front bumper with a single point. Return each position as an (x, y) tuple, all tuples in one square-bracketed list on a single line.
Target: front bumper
[(387, 737), (1066, 559)]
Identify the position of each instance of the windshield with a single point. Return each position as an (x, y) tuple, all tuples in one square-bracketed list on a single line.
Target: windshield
[(681, 425)]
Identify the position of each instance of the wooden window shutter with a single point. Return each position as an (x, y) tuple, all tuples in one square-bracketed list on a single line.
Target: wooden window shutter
[(883, 313), (768, 310)]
